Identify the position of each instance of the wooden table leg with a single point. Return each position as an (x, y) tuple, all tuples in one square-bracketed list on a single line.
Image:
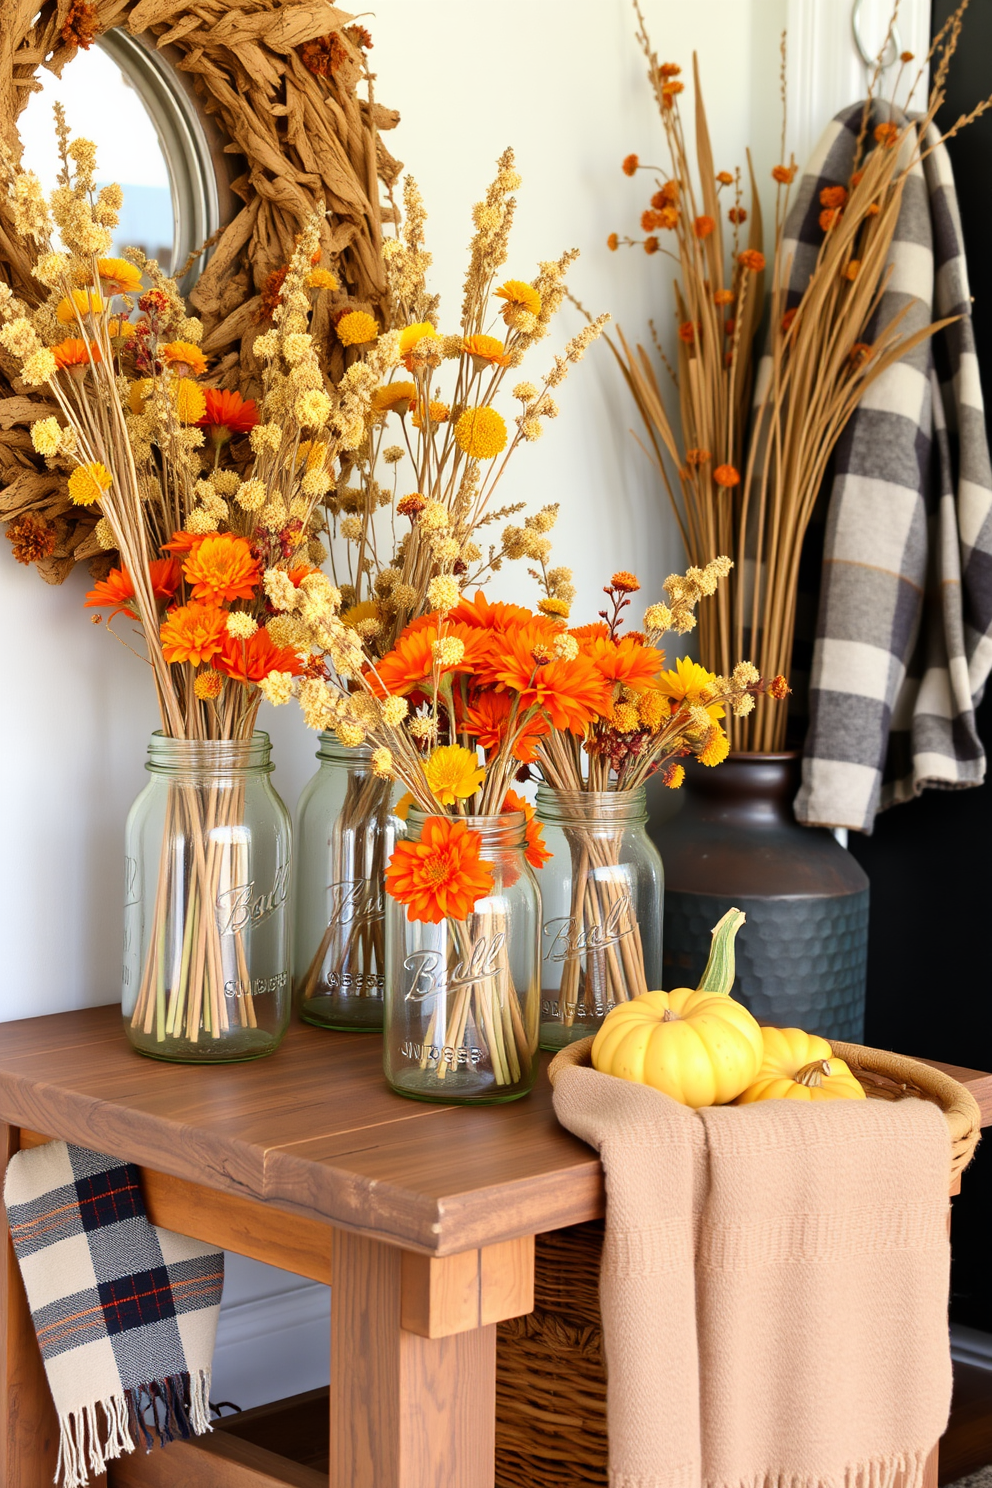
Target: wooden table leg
[(29, 1431), (406, 1411)]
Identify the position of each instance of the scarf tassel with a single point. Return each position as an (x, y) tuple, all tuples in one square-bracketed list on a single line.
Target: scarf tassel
[(170, 1409)]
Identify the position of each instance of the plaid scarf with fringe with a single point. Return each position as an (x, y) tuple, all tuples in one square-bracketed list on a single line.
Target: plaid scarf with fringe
[(125, 1312)]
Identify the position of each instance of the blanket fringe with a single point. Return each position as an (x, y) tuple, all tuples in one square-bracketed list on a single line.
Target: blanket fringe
[(904, 1468), (169, 1409)]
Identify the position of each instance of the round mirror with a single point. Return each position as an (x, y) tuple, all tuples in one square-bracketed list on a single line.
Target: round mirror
[(129, 100)]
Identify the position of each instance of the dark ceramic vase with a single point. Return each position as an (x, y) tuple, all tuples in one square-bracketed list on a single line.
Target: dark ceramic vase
[(733, 841)]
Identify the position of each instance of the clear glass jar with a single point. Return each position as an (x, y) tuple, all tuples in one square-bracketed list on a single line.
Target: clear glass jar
[(207, 971), (602, 895), (463, 996), (345, 832)]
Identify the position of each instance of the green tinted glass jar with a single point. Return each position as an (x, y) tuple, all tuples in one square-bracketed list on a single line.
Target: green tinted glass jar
[(344, 836), (207, 972)]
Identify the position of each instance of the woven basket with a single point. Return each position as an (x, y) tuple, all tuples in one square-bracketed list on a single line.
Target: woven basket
[(550, 1371)]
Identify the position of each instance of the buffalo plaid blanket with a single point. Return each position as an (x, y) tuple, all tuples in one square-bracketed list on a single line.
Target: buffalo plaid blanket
[(903, 642), (125, 1313)]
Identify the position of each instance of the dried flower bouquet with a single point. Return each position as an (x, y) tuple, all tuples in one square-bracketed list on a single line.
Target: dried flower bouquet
[(747, 477)]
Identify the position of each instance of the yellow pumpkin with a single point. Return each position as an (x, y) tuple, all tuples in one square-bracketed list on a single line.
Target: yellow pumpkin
[(800, 1066), (698, 1046)]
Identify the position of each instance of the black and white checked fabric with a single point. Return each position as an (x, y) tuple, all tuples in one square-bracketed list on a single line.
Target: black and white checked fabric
[(903, 641), (125, 1312)]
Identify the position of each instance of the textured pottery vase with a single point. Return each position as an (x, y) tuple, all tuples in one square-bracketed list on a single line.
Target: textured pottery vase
[(733, 840)]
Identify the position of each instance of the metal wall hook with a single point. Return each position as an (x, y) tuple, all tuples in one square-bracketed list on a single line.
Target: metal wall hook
[(893, 45)]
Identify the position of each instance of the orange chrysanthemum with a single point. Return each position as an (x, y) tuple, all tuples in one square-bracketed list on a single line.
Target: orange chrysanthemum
[(486, 351), (222, 568), (117, 588), (251, 660), (571, 693), (833, 196), (227, 414), (726, 476), (410, 665), (783, 174), (193, 632), (185, 542), (625, 581), (593, 632), (488, 720), (628, 661), (725, 178), (703, 226), (487, 615), (442, 876), (534, 849), (76, 353), (751, 259)]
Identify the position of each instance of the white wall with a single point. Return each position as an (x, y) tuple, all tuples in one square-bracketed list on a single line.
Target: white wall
[(562, 81)]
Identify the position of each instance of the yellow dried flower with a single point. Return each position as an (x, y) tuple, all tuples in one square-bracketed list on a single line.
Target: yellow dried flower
[(184, 354), (481, 433), (448, 651), (313, 409), (87, 483), (551, 606), (625, 718), (208, 685), (517, 295), (321, 279), (673, 776), (453, 774), (657, 617), (350, 735), (104, 535), (39, 367), (716, 749), (394, 710), (356, 328), (241, 625), (189, 400), (80, 303), (201, 521), (382, 763)]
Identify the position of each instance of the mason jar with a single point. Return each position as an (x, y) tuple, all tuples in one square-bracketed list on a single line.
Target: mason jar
[(207, 969), (602, 894), (344, 835), (463, 996)]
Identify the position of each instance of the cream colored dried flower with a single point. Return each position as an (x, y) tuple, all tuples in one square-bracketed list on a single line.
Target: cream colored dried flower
[(241, 625), (443, 595), (277, 687), (745, 674), (201, 521), (525, 391), (351, 529), (743, 705), (51, 268), (251, 495), (403, 596), (189, 328), (280, 590), (226, 482), (544, 519), (445, 549), (448, 651), (424, 729), (313, 409), (287, 630), (317, 551), (382, 764), (45, 436), (565, 647), (273, 516), (392, 454), (350, 735), (265, 437), (104, 535), (433, 517), (315, 484), (316, 702), (531, 429), (39, 367), (657, 617), (394, 710), (265, 347)]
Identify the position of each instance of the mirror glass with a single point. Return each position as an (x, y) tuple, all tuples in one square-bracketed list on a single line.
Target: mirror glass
[(102, 104)]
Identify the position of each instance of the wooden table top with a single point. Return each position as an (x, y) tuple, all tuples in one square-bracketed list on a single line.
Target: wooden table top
[(314, 1130)]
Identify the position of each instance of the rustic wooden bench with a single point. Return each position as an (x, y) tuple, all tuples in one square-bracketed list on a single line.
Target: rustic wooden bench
[(421, 1218)]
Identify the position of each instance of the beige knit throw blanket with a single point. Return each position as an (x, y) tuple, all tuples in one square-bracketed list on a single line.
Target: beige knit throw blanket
[(774, 1287)]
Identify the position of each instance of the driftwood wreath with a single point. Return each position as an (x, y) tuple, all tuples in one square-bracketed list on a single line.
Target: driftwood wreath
[(276, 82)]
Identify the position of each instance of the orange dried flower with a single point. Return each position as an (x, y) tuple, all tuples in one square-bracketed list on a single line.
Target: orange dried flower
[(783, 174), (857, 177), (81, 26), (629, 164), (670, 91), (751, 259), (833, 196), (222, 568), (789, 317), (75, 353), (441, 876), (859, 353), (725, 178), (666, 196), (728, 358), (411, 506), (194, 633), (667, 218), (534, 849), (649, 220), (625, 581), (703, 226), (669, 70), (905, 57), (737, 215), (726, 476), (687, 332), (486, 351), (227, 413), (827, 218), (272, 292), (778, 688), (853, 269), (871, 209), (673, 775), (723, 297), (253, 659), (323, 55), (886, 135), (697, 456), (613, 242), (651, 245), (33, 537), (208, 685)]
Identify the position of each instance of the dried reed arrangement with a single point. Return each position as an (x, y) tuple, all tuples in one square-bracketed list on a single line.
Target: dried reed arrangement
[(751, 478)]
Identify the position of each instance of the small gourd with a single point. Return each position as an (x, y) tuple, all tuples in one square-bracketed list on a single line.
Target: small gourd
[(695, 1044), (800, 1066)]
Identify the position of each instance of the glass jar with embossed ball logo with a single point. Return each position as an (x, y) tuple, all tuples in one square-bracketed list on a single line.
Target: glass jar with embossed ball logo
[(602, 897), (344, 835), (463, 996), (207, 954)]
